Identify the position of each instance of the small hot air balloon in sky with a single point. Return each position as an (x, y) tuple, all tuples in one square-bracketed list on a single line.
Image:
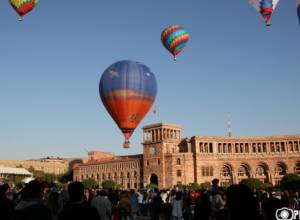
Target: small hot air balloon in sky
[(298, 9), (265, 8), (127, 90), (174, 39), (22, 7)]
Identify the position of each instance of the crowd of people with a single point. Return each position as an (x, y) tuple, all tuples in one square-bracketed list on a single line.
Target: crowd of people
[(238, 202)]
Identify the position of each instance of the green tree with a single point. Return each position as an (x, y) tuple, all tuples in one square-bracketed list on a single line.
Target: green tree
[(194, 186), (205, 185), (266, 186), (152, 186), (109, 184), (290, 182), (67, 177), (252, 183), (89, 183)]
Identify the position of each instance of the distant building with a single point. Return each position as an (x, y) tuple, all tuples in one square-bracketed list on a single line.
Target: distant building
[(101, 166), (55, 165), (6, 172), (168, 159)]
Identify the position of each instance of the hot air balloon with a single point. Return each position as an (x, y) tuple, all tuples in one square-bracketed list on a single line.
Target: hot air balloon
[(298, 9), (174, 39), (265, 8), (22, 7), (127, 90)]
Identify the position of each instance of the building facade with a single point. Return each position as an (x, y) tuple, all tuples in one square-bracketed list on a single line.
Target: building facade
[(168, 159), (124, 170), (54, 165)]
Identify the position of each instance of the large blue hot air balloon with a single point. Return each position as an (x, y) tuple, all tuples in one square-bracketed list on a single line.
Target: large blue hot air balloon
[(127, 90)]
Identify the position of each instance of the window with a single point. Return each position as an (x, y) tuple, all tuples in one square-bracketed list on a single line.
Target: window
[(178, 161), (147, 162), (158, 161), (179, 173), (207, 171), (210, 148)]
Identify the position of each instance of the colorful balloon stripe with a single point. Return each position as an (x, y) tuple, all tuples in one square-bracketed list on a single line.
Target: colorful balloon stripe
[(22, 7), (174, 39)]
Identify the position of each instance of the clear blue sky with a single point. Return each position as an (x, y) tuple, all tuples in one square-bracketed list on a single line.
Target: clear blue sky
[(50, 66)]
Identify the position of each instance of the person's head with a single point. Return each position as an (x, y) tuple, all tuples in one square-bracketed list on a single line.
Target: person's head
[(102, 193), (34, 189), (76, 191), (3, 189), (215, 182), (132, 191), (178, 195)]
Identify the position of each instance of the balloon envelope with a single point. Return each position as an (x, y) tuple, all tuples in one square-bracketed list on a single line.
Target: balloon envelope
[(265, 8), (127, 90), (22, 7), (174, 39)]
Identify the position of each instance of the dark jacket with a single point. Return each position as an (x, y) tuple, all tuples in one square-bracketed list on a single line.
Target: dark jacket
[(79, 211), (32, 209)]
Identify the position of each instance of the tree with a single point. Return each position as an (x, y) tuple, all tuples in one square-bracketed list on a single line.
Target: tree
[(290, 182), (89, 183), (205, 185), (109, 184), (252, 183), (266, 186), (152, 186), (194, 186), (67, 177)]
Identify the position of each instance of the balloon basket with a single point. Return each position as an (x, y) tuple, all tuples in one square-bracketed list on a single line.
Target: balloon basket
[(20, 19), (126, 144)]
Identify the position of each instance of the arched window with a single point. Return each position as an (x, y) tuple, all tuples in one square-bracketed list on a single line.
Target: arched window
[(226, 171), (280, 169), (244, 170), (128, 175), (178, 161)]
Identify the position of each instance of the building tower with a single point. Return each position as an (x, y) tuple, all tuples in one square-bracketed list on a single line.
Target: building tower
[(160, 140)]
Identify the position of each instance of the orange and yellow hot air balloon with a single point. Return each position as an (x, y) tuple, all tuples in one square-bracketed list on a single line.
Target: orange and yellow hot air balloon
[(22, 7)]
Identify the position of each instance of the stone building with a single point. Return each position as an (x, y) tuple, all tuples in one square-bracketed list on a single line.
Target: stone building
[(101, 166), (168, 159), (55, 165)]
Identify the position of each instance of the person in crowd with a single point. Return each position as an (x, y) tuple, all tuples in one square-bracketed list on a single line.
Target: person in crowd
[(78, 208), (177, 206), (124, 207), (203, 207), (141, 202), (241, 203), (103, 205), (269, 208), (216, 200), (134, 204), (53, 203), (31, 206), (6, 204), (156, 206)]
